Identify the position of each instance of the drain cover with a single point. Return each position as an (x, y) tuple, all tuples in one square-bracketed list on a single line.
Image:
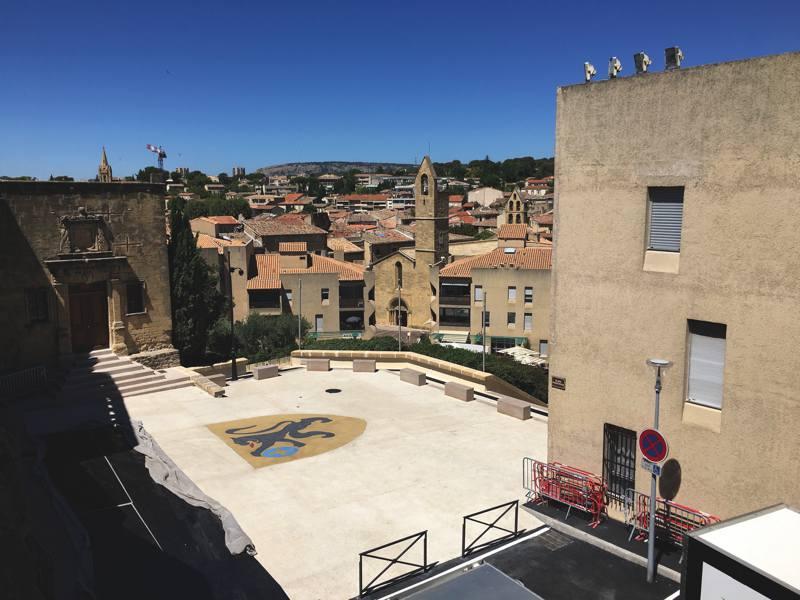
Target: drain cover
[(333, 390)]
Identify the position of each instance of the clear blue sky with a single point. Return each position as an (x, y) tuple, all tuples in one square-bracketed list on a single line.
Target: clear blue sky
[(259, 83)]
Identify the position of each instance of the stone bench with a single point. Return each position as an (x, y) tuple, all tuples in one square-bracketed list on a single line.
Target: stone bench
[(318, 364), (265, 372), (519, 409), (217, 378), (460, 391), (412, 376), (363, 365)]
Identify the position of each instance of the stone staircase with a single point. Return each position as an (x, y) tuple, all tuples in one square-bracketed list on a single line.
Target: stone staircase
[(103, 373)]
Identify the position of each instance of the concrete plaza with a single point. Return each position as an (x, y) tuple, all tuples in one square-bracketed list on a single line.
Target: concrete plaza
[(423, 461)]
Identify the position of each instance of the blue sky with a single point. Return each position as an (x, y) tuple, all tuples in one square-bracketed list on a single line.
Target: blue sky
[(259, 83)]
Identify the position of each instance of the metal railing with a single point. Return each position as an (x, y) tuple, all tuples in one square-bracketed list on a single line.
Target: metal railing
[(335, 335), (29, 380), (473, 546), (374, 584)]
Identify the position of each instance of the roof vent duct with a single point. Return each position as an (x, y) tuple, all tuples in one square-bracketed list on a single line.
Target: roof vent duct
[(641, 61), (614, 67), (673, 58)]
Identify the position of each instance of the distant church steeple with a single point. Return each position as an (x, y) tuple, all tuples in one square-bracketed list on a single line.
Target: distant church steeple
[(104, 170)]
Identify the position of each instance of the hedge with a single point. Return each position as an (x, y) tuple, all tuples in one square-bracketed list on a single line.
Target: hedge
[(529, 378)]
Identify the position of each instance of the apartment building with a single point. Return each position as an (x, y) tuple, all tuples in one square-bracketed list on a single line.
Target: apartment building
[(684, 274), (509, 288)]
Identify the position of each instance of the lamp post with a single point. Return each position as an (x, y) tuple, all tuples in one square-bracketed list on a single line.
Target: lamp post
[(230, 270), (399, 320), (659, 365), (300, 311), (483, 333)]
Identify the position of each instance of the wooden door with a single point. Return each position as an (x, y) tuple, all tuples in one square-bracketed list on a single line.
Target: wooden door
[(88, 312)]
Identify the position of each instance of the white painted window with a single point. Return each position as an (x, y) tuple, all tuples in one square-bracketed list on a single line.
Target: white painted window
[(706, 363), (512, 293), (527, 324), (318, 323), (528, 295), (478, 293), (543, 348)]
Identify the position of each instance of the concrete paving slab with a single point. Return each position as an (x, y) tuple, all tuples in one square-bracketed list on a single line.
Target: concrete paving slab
[(422, 462)]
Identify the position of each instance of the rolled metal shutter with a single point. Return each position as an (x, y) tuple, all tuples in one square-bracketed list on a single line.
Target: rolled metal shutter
[(666, 219)]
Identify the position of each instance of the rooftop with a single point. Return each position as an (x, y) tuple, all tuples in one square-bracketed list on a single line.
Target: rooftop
[(274, 227), (387, 236), (207, 241), (517, 231), (343, 245), (521, 258), (310, 517), (219, 220), (267, 271)]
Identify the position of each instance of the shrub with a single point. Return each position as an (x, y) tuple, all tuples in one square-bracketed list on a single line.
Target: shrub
[(258, 337)]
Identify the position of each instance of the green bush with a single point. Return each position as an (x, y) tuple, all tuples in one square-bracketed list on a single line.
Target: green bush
[(529, 378), (258, 337)]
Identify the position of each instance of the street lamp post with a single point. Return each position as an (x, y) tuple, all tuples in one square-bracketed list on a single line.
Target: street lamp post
[(300, 311), (483, 333), (659, 365), (399, 321), (234, 370)]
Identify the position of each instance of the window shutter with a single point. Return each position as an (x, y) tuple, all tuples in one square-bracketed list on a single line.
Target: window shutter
[(666, 219), (706, 365)]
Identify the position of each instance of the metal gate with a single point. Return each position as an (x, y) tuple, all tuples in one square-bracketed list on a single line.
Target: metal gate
[(619, 462)]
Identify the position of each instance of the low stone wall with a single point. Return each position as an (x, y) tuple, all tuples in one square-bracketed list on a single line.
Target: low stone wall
[(222, 368), (398, 360), (158, 359)]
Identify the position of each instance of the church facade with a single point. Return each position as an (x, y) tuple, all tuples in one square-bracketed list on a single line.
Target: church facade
[(406, 282), (84, 267)]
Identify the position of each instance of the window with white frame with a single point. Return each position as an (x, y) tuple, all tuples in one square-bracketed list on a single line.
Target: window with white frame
[(665, 218), (706, 363), (528, 295), (512, 293), (478, 293)]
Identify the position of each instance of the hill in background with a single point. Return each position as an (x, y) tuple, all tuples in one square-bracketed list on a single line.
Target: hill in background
[(336, 167)]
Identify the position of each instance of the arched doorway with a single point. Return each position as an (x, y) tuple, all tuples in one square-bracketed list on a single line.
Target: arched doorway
[(398, 315)]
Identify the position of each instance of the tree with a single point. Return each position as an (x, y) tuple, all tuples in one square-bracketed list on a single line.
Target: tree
[(196, 302), (258, 337), (224, 178), (144, 174)]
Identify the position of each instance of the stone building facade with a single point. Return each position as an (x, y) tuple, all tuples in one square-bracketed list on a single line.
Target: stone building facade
[(84, 267), (406, 285), (689, 276)]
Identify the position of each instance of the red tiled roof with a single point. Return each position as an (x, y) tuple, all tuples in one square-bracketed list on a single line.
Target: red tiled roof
[(266, 275), (518, 231), (291, 198), (268, 270), (522, 258), (206, 241), (285, 247), (281, 226), (342, 244), (387, 236), (455, 198), (544, 219), (222, 220)]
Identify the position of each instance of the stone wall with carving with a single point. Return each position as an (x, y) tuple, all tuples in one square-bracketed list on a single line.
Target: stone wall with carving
[(62, 234)]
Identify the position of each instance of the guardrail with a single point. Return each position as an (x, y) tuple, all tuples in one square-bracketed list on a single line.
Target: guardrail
[(567, 485), (22, 382), (374, 584), (334, 335), (474, 546), (673, 520)]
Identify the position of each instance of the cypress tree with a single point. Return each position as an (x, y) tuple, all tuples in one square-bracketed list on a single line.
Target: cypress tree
[(196, 302)]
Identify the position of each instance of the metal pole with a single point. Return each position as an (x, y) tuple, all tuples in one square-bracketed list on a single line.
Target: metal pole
[(299, 311), (651, 529), (483, 332), (234, 373), (399, 321)]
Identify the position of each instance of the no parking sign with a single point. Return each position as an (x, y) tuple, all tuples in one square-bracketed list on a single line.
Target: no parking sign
[(653, 445)]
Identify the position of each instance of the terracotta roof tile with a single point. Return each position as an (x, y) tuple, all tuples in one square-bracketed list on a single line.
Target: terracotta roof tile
[(206, 241), (544, 219), (222, 220), (266, 275), (286, 247), (518, 231), (522, 258), (269, 227), (343, 245)]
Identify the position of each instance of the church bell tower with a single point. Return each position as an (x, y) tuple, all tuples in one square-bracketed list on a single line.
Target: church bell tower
[(431, 213), (104, 170)]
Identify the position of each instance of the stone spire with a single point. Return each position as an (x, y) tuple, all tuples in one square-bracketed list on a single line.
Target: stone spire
[(104, 170)]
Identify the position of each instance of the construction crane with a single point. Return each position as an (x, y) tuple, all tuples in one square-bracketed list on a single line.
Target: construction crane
[(160, 152)]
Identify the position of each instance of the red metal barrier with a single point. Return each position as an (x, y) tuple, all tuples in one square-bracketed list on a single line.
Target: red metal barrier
[(673, 520), (573, 487)]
